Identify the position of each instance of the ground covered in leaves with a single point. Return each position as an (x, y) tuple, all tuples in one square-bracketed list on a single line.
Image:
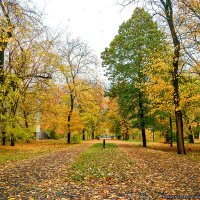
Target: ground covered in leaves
[(120, 171), (34, 149)]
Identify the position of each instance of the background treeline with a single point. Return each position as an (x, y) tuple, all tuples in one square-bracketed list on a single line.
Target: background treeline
[(47, 79), (51, 80)]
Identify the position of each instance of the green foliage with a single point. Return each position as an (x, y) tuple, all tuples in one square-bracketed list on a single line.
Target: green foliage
[(130, 55), (76, 138), (53, 135), (20, 133), (137, 40)]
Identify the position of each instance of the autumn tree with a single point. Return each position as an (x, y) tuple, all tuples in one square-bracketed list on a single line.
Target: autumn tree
[(91, 105), (130, 54), (29, 59), (53, 109), (6, 33), (15, 16), (160, 94), (77, 62), (182, 21), (113, 117), (189, 28), (190, 94)]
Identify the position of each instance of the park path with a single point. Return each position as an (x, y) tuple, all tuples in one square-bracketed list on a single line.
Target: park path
[(24, 179), (154, 175)]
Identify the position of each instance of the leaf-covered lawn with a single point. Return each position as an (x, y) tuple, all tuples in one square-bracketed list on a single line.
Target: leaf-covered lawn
[(23, 151), (33, 176), (161, 173), (120, 171)]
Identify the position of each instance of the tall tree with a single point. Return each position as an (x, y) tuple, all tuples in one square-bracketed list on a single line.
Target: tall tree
[(15, 18), (169, 10), (91, 106), (130, 54), (114, 118), (28, 59), (6, 32), (77, 61)]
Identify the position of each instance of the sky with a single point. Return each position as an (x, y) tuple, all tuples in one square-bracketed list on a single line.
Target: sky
[(94, 21)]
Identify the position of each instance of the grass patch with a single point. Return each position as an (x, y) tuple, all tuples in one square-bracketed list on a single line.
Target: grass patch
[(25, 151), (98, 162), (100, 146)]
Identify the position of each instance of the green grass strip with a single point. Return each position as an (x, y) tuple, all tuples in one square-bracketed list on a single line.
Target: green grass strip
[(99, 162)]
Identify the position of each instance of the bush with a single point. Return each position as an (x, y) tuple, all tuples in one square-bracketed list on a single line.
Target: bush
[(18, 133), (53, 135), (76, 138)]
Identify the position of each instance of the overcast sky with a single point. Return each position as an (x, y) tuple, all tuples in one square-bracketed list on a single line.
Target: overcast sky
[(95, 21)]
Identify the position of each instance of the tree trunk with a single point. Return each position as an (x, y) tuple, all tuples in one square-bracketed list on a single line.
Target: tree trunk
[(190, 136), (171, 131), (167, 137), (69, 118), (1, 83), (69, 137), (168, 7), (83, 132), (12, 140), (104, 143), (190, 133), (127, 132), (3, 128), (142, 123), (25, 119), (3, 138), (144, 141), (14, 105), (179, 133), (1, 66), (69, 128), (93, 134), (153, 136)]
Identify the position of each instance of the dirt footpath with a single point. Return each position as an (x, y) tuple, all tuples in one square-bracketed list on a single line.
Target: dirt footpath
[(23, 180)]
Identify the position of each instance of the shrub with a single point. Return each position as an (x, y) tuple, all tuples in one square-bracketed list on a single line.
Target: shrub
[(76, 138)]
